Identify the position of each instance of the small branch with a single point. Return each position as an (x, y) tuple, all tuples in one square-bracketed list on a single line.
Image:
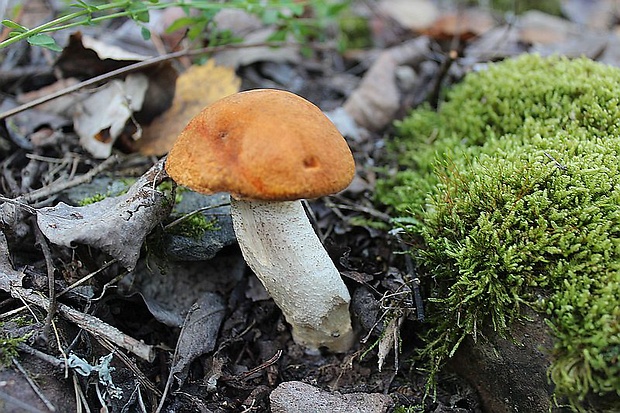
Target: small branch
[(21, 205), (88, 277), (54, 361), (132, 68), (194, 212), (9, 400), (90, 323), (59, 186), (34, 386), (131, 365), (49, 263)]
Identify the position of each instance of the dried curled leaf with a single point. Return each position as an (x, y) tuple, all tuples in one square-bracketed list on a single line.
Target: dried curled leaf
[(8, 276), (198, 87), (115, 225)]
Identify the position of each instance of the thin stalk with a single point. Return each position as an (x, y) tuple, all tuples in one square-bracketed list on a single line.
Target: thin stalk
[(49, 26), (59, 23)]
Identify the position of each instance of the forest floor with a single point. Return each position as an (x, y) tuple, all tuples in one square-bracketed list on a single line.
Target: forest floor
[(140, 317)]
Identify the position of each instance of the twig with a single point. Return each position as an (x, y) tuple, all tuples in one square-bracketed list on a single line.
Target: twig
[(49, 263), (90, 323), (13, 401), (130, 365), (132, 68), (59, 186), (248, 374), (11, 313), (54, 361), (34, 386), (194, 212), (359, 208), (80, 398), (88, 277), (60, 349), (15, 202)]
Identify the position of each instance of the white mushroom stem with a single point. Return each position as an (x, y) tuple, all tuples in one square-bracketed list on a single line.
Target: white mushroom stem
[(281, 247)]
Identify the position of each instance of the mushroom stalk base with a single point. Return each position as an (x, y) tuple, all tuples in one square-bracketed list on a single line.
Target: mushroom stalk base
[(281, 247)]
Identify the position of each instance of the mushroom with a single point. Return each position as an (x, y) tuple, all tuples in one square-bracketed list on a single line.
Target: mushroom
[(270, 149)]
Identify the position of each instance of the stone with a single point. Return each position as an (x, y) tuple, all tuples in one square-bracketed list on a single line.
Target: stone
[(299, 397)]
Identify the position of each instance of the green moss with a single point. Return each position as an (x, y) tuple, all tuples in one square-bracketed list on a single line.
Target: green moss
[(409, 409), (512, 191), (114, 188), (519, 6), (9, 347), (355, 32), (194, 225), (553, 7), (92, 199)]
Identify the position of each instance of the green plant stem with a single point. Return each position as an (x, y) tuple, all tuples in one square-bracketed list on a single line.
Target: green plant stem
[(59, 23), (49, 26)]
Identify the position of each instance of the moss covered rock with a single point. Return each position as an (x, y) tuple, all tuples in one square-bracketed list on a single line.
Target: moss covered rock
[(512, 191)]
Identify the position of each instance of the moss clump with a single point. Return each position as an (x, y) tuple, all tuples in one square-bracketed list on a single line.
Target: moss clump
[(512, 190), (194, 226), (92, 199), (9, 347)]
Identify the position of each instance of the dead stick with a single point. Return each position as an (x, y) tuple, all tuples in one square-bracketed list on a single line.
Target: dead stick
[(90, 323), (34, 386), (132, 68), (49, 263), (59, 186)]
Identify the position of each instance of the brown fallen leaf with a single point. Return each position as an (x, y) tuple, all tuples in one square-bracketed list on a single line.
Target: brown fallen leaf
[(198, 87), (536, 27), (375, 102), (415, 15), (84, 57), (117, 226), (464, 25)]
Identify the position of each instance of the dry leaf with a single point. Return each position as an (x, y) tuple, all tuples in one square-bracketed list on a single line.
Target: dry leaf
[(100, 118), (198, 334), (238, 57), (8, 276), (198, 87), (600, 14), (117, 226), (536, 27), (169, 288), (390, 340), (85, 57), (464, 25), (415, 15), (62, 105), (375, 102)]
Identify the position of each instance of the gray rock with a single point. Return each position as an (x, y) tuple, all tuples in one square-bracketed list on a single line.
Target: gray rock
[(298, 397)]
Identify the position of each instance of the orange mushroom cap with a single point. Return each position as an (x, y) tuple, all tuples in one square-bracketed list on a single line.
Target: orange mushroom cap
[(263, 144)]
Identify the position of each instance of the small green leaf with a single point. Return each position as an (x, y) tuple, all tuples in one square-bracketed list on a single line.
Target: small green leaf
[(43, 40), (278, 36), (271, 16), (181, 23), (83, 5), (333, 10), (146, 33), (296, 9), (15, 26), (139, 11)]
